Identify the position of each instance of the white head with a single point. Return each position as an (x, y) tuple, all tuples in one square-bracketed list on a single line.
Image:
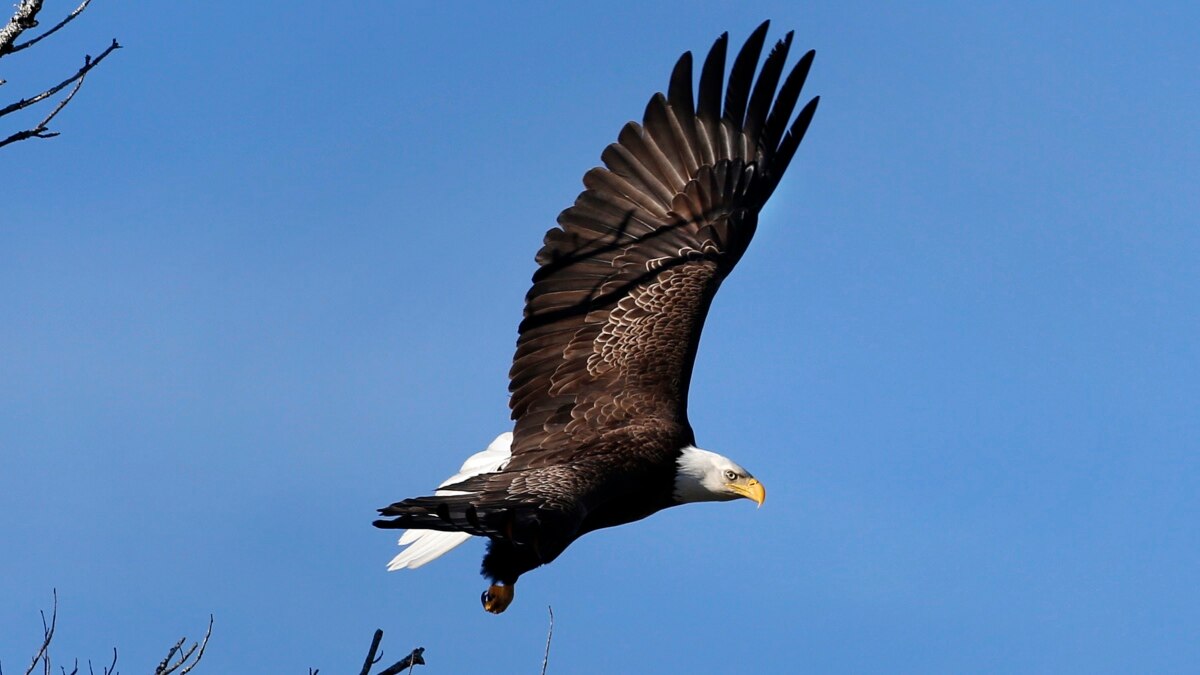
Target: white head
[(704, 476)]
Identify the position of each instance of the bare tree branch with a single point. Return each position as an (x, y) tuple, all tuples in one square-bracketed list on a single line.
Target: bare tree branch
[(43, 653), (42, 128), (179, 660), (110, 670), (203, 645), (182, 656), (549, 634), (23, 19), (88, 64), (371, 658), (415, 658), (69, 18)]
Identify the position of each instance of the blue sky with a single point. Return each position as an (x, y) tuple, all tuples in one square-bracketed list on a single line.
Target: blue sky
[(268, 279)]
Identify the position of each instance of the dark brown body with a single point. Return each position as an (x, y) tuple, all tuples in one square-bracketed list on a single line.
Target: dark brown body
[(645, 487), (532, 513)]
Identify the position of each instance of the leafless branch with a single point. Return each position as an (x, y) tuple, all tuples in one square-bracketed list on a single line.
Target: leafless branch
[(414, 658), (372, 659), (41, 130), (184, 658), (179, 660), (110, 670), (88, 64), (69, 18), (23, 19), (43, 653), (549, 634), (162, 666)]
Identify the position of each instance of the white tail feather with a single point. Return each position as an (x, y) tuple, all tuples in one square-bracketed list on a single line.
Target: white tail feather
[(426, 545)]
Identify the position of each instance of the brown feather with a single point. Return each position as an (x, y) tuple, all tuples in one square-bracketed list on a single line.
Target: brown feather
[(613, 318)]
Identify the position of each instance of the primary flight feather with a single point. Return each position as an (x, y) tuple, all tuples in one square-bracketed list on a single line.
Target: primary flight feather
[(604, 355)]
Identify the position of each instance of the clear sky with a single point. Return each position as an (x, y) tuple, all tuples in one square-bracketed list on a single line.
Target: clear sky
[(269, 277)]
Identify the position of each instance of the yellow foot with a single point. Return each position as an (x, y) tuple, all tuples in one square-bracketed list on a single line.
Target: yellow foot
[(497, 598)]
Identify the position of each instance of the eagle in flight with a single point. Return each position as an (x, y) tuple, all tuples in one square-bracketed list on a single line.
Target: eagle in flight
[(599, 383)]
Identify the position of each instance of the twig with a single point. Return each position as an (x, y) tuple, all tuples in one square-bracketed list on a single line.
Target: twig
[(110, 670), (413, 659), (70, 17), (42, 130), (549, 634), (162, 666), (88, 64), (203, 645), (165, 667), (371, 658), (47, 636)]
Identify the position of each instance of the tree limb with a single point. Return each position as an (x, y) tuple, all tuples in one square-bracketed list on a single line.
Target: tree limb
[(371, 658), (88, 64), (43, 653), (69, 18), (182, 656), (42, 129), (178, 658), (23, 19), (110, 670), (406, 663), (549, 634), (415, 658)]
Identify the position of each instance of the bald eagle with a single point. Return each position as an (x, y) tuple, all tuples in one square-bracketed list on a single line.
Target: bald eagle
[(599, 383)]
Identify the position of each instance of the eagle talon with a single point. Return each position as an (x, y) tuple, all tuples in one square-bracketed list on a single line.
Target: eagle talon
[(497, 598)]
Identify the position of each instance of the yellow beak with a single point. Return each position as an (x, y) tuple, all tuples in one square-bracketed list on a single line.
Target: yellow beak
[(750, 489)]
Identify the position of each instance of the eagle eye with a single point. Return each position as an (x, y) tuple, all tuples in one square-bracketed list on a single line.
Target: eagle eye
[(730, 475)]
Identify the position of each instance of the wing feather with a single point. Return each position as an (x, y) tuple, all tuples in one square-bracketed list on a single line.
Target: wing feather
[(744, 64), (708, 102), (764, 89), (624, 283), (623, 159), (666, 132)]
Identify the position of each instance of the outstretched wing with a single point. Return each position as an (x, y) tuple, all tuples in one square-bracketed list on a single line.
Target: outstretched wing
[(613, 319)]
